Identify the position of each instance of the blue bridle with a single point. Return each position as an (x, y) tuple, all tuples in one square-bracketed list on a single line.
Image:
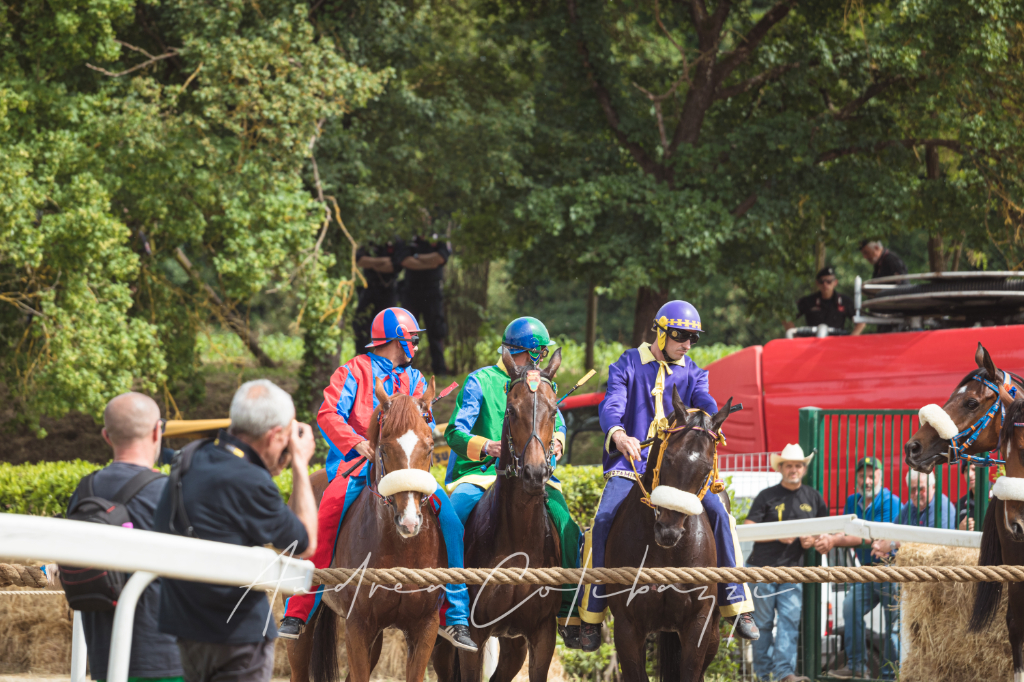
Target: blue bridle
[(958, 449)]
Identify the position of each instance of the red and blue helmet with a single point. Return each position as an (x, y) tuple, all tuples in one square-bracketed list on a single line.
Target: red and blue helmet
[(395, 323), (676, 315)]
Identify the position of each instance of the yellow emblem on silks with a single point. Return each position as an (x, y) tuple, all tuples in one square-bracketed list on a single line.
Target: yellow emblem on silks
[(533, 379)]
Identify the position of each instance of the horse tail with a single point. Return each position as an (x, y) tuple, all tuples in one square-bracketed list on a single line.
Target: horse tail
[(670, 657), (987, 595), (323, 660)]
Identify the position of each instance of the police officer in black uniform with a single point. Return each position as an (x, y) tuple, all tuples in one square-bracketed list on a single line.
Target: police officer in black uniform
[(381, 264), (422, 291), (828, 306)]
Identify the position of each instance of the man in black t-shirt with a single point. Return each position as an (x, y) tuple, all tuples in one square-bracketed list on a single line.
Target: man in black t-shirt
[(381, 264), (775, 657), (229, 495), (133, 429), (422, 292), (828, 306), (885, 261)]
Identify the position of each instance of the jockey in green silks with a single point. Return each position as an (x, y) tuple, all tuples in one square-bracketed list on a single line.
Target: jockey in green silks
[(474, 435)]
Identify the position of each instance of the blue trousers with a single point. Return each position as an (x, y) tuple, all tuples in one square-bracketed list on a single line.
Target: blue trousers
[(455, 610), (775, 655), (733, 598), (860, 600)]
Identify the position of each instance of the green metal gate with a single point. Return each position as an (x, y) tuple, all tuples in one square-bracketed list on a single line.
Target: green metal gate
[(840, 439)]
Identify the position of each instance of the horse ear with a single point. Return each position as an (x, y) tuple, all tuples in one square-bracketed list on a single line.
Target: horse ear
[(510, 364), (553, 364), (382, 395), (984, 361), (721, 416), (427, 398), (680, 407)]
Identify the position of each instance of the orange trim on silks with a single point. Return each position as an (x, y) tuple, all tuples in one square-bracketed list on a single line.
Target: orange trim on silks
[(712, 482)]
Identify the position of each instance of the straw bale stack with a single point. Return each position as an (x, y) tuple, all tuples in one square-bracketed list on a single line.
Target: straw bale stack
[(935, 623)]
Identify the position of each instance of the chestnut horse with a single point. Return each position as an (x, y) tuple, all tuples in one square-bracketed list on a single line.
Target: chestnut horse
[(687, 616), (1002, 539), (386, 525), (510, 527), (299, 650)]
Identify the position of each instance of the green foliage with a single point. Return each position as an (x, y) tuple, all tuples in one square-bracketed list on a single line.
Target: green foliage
[(42, 489), (582, 487)]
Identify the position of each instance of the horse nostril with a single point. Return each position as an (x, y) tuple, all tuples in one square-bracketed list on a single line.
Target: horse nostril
[(913, 448)]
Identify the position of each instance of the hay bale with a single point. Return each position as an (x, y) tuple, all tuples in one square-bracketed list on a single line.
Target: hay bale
[(935, 622), (35, 634)]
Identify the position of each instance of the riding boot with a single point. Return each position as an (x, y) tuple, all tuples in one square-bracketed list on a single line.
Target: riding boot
[(590, 637)]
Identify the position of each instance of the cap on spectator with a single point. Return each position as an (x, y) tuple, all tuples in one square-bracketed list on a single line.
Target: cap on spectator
[(865, 242), (869, 462), (791, 453), (825, 272)]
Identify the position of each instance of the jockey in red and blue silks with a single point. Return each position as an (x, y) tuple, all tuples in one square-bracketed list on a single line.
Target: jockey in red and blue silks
[(344, 419)]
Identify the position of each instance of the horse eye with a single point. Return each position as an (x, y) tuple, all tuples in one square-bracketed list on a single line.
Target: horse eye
[(971, 404)]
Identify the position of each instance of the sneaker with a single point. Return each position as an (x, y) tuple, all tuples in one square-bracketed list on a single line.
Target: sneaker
[(845, 673), (590, 637), (570, 636), (458, 635), (291, 627), (745, 628), (795, 678)]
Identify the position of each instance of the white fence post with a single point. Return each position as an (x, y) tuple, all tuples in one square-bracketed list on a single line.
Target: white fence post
[(79, 651), (124, 621)]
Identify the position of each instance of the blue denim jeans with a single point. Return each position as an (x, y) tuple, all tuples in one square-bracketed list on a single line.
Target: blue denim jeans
[(775, 655), (860, 600)]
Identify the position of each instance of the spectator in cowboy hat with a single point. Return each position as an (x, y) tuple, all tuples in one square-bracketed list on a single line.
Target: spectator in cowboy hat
[(787, 501), (871, 502)]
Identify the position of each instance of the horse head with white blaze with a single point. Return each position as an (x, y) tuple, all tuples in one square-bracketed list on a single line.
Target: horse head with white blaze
[(682, 467), (970, 421), (402, 447)]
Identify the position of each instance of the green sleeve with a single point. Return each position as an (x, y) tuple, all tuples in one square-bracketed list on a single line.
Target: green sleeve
[(457, 440)]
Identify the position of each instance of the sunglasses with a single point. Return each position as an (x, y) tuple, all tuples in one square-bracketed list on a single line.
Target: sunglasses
[(415, 340), (828, 280), (682, 335), (535, 355), (163, 426)]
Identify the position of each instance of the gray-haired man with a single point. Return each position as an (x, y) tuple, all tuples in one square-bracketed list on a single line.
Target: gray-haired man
[(228, 495)]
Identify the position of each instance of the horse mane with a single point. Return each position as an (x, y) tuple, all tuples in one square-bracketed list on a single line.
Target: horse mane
[(1013, 414), (403, 413)]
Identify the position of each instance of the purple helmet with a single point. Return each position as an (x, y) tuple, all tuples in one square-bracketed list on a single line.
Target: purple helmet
[(678, 315)]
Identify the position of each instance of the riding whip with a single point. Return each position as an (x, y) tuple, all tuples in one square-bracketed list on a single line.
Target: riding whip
[(579, 383)]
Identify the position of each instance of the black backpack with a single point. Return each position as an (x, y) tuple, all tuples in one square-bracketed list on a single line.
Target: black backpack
[(97, 589), (179, 523)]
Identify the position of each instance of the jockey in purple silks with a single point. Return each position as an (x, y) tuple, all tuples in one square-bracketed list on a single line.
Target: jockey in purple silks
[(629, 415)]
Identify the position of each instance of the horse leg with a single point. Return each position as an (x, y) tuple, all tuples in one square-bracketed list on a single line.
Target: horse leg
[(361, 643), (699, 644), (510, 660), (1015, 626), (471, 663), (299, 651), (420, 641), (542, 648), (629, 648), (445, 660)]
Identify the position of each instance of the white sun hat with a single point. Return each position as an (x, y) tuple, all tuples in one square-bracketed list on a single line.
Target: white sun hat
[(791, 453)]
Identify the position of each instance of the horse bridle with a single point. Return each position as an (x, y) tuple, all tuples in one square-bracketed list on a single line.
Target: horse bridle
[(533, 378), (379, 457), (958, 449)]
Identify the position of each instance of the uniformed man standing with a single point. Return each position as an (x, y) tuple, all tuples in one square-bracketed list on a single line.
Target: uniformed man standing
[(381, 264), (828, 306), (422, 291)]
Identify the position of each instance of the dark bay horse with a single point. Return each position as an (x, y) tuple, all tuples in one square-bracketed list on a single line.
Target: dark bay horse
[(391, 530), (510, 527), (981, 393), (1002, 540), (687, 616)]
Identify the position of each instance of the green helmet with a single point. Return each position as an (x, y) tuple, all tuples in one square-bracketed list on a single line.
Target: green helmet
[(527, 334)]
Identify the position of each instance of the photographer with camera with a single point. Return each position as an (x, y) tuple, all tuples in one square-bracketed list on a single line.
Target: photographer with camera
[(227, 494)]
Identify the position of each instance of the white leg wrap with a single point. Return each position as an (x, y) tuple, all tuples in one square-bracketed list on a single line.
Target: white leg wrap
[(940, 421), (407, 480), (1009, 488), (678, 500)]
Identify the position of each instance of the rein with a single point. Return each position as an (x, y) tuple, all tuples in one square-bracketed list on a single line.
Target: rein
[(961, 442), (711, 482), (533, 380)]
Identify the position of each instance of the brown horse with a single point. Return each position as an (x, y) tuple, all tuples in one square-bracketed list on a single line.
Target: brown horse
[(1002, 540), (299, 650), (969, 402), (687, 616), (510, 528), (384, 528)]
